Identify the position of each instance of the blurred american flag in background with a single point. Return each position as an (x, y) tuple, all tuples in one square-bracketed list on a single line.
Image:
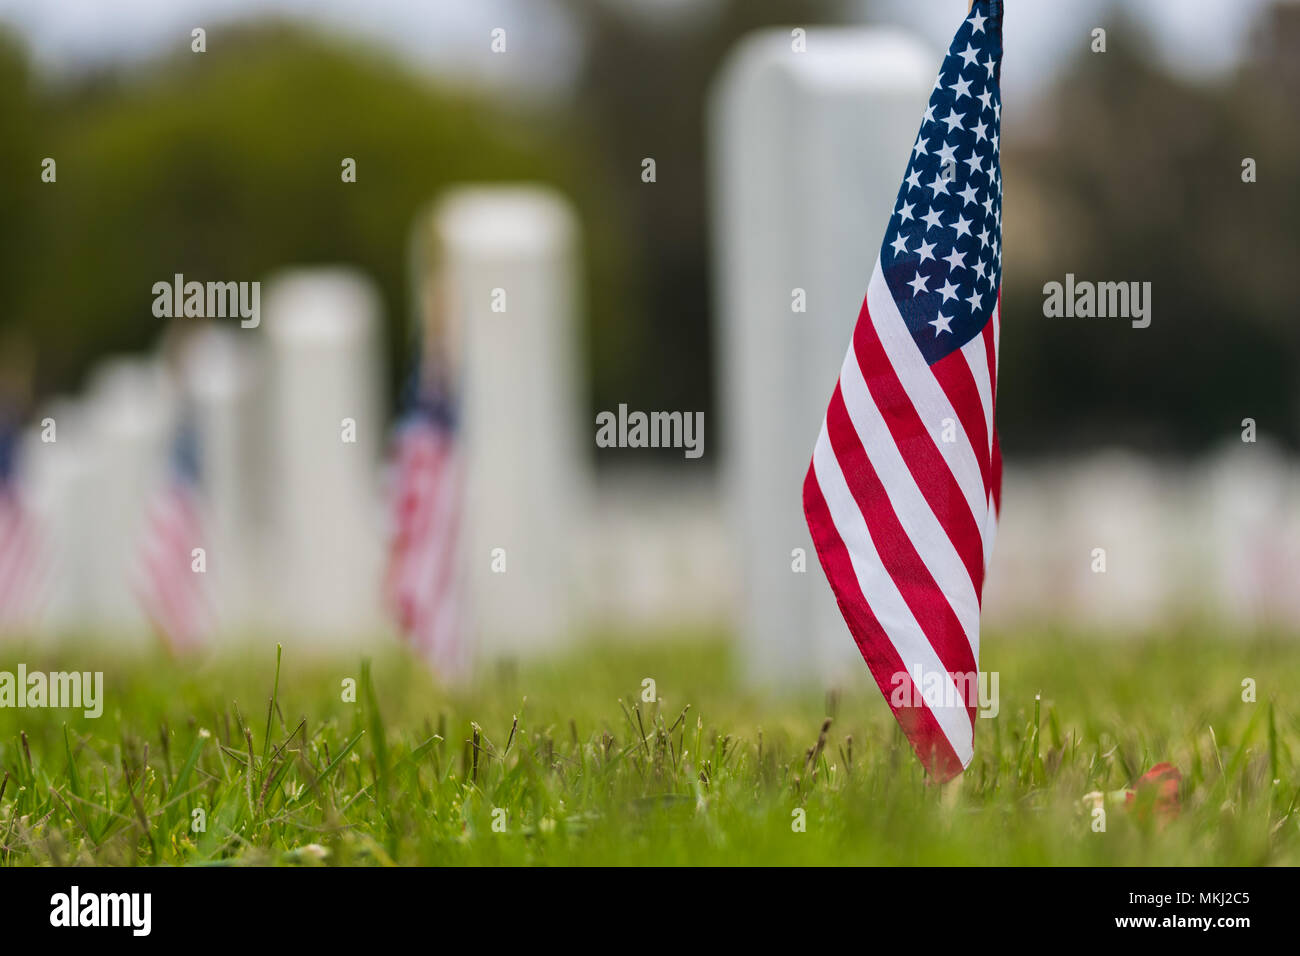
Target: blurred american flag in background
[(172, 593), (20, 554), (423, 579)]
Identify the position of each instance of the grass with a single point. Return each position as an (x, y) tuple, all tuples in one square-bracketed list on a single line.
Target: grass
[(286, 771)]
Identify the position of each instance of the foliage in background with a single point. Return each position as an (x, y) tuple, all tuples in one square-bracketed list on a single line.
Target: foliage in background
[(1136, 176), (227, 166)]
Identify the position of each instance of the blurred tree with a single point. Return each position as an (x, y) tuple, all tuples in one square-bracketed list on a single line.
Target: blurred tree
[(1137, 176), (227, 166)]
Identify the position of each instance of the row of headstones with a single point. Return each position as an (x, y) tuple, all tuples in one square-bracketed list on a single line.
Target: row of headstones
[(807, 151), (289, 423)]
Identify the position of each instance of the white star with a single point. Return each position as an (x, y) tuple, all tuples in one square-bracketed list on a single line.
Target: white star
[(940, 185), (914, 179), (988, 205), (947, 154), (906, 211), (969, 194), (986, 98), (974, 162), (926, 250), (984, 238), (929, 115), (996, 137), (962, 225), (981, 132), (997, 111), (918, 284), (962, 87), (942, 324), (956, 260), (932, 218), (970, 54), (974, 300), (953, 119), (977, 24), (920, 147), (979, 269), (949, 291), (990, 65), (900, 245)]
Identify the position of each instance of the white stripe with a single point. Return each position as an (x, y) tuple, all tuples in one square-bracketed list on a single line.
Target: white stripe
[(976, 354), (914, 513), (881, 594), (925, 393)]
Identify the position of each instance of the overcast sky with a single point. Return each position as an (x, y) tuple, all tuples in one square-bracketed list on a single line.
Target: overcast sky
[(1198, 37)]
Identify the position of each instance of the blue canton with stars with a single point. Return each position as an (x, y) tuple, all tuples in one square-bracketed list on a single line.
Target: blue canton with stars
[(942, 254)]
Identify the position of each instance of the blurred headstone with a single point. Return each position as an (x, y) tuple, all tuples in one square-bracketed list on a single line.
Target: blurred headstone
[(129, 429), (219, 373), (59, 489), (508, 272), (1028, 562), (1117, 515), (808, 149), (324, 544), (1252, 563)]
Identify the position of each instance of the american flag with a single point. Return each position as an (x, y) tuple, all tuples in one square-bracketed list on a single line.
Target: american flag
[(904, 488), (423, 580), (19, 541), (175, 596)]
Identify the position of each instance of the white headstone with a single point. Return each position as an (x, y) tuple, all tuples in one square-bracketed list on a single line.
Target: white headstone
[(1251, 557), (808, 151), (219, 373), (1117, 523), (509, 280), (325, 522), (130, 428), (58, 484)]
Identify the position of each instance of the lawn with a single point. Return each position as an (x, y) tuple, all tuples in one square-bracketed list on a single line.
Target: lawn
[(563, 762)]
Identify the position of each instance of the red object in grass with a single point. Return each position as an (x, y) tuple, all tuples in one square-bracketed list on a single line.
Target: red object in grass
[(1158, 789)]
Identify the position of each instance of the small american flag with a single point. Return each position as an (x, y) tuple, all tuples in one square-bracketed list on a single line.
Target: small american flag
[(19, 542), (904, 488), (173, 594), (423, 580)]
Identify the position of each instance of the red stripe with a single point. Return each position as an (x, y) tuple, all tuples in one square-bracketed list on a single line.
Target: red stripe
[(997, 473), (990, 349), (917, 446), (958, 382), (918, 723), (922, 594), (422, 572)]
